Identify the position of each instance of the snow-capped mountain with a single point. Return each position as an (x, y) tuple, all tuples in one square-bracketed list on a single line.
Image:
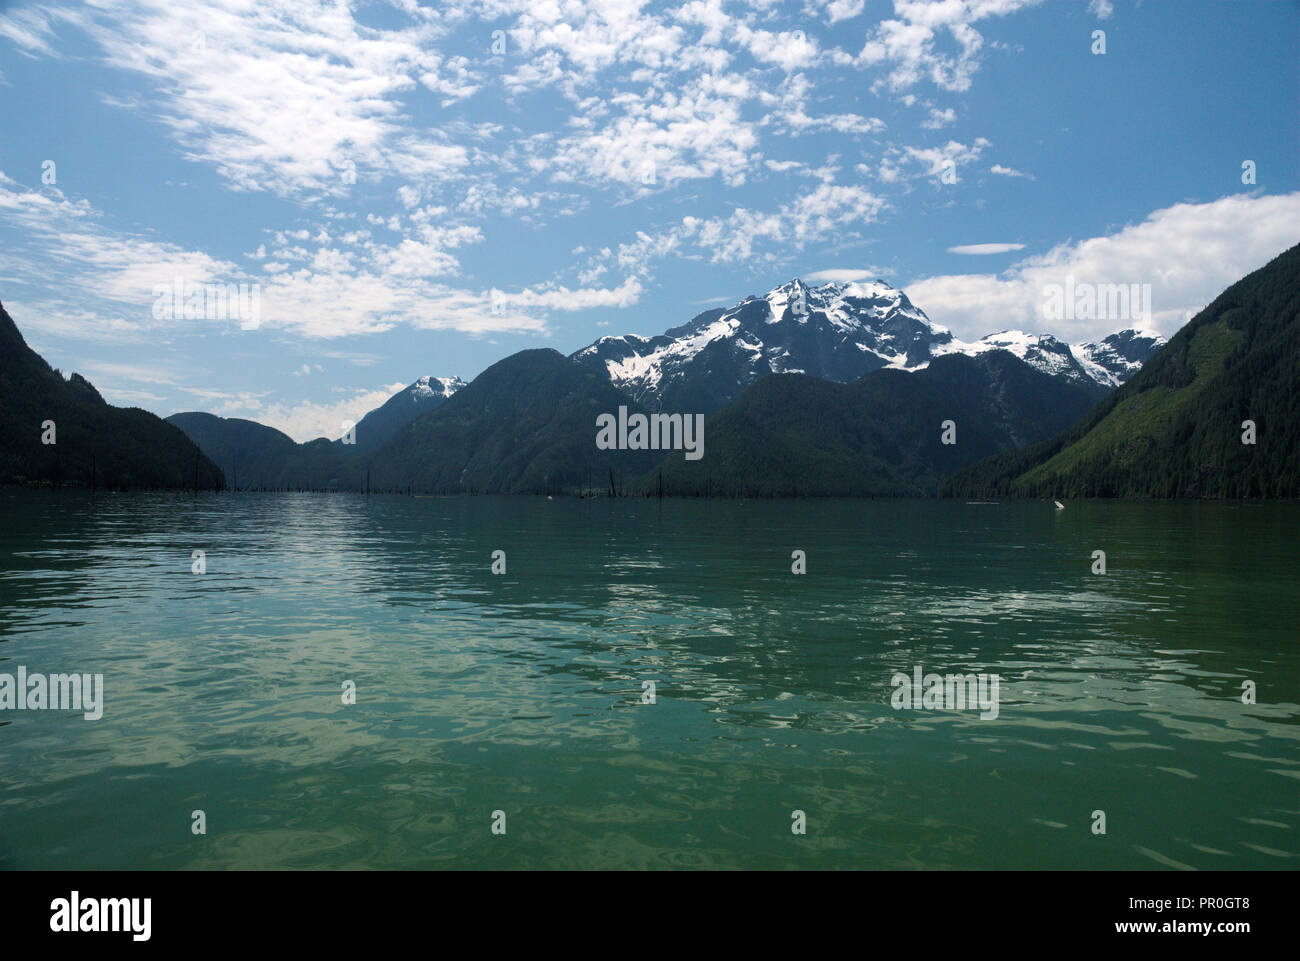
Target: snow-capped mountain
[(835, 332), (1040, 351), (378, 426), (1118, 357), (1109, 362), (839, 332), (427, 387)]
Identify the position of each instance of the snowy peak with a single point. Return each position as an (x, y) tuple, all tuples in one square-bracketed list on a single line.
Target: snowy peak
[(847, 305), (382, 424), (788, 301), (1109, 363), (1116, 358), (427, 387), (836, 331), (1041, 351)]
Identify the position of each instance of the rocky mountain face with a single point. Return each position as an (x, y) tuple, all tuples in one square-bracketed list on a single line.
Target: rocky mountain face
[(837, 332), (1119, 356)]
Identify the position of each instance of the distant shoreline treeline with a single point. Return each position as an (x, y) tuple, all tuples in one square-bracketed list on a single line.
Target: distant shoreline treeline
[(634, 496)]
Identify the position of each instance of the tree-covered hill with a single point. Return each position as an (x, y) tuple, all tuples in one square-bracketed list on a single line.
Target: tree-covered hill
[(94, 442), (1175, 429), (258, 457), (527, 424), (882, 435)]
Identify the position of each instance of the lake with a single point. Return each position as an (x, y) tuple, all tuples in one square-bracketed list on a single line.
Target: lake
[(522, 692)]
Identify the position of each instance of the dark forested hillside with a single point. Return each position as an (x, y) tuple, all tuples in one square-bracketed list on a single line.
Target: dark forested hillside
[(527, 424), (94, 442), (378, 427), (790, 434), (255, 456), (1175, 429)]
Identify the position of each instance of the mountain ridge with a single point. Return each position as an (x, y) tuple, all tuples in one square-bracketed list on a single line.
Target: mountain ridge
[(837, 331), (882, 435), (527, 424), (258, 456), (94, 443), (1176, 429)]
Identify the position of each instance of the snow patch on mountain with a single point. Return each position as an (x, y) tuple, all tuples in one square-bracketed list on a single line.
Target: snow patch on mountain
[(435, 387), (1040, 351), (837, 331), (1121, 355)]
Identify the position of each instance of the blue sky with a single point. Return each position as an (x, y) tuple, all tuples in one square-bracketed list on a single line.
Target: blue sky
[(606, 168)]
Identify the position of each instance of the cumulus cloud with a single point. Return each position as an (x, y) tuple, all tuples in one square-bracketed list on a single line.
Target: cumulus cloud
[(837, 10), (934, 42), (906, 163), (940, 118), (789, 113), (655, 139), (788, 49), (1188, 253), (769, 235)]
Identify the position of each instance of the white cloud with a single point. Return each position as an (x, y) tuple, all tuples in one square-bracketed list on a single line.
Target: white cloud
[(979, 249), (928, 161), (789, 49), (302, 420), (95, 370), (940, 118), (32, 30), (827, 210), (284, 96), (562, 298), (592, 37), (295, 98), (846, 275), (910, 46), (1188, 253), (97, 283), (837, 10), (88, 280), (697, 132), (790, 113)]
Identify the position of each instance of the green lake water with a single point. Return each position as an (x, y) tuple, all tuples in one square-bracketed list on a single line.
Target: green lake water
[(522, 692)]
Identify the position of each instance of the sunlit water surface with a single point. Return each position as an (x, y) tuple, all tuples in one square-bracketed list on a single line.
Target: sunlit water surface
[(522, 692)]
